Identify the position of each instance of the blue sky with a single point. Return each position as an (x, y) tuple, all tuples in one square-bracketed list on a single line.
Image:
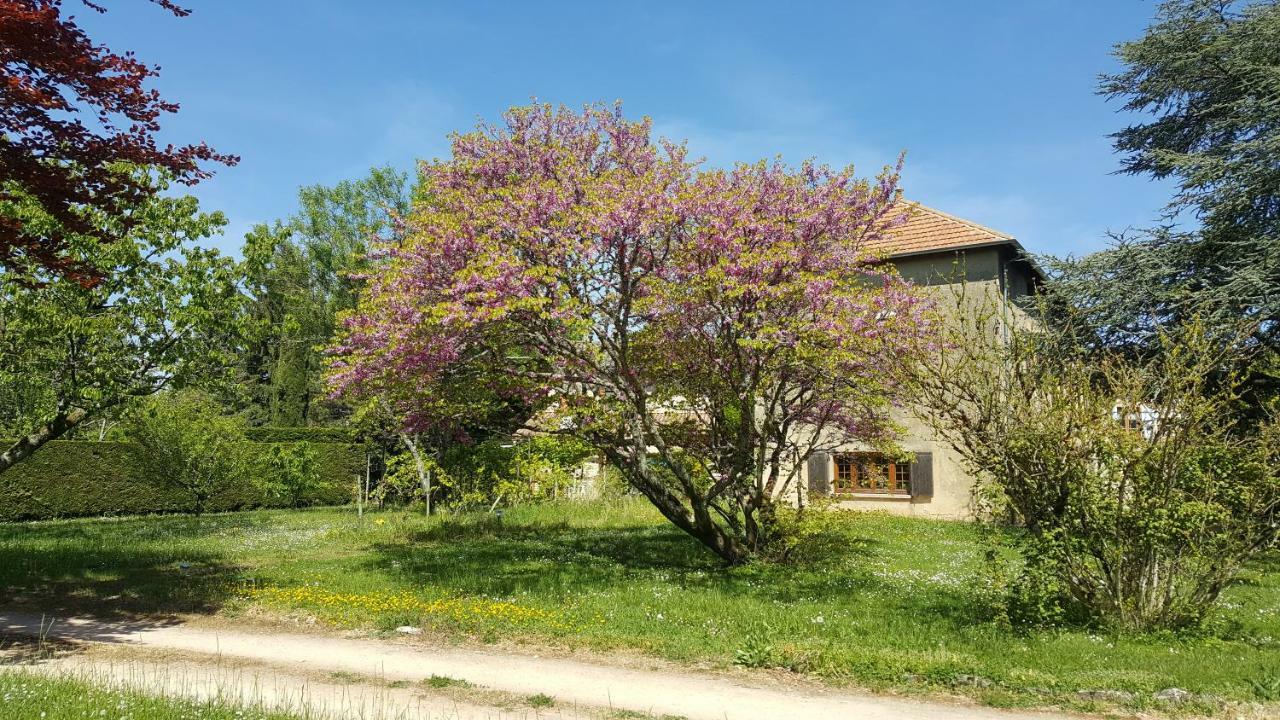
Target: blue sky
[(992, 101)]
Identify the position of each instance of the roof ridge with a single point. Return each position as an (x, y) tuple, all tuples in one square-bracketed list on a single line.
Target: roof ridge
[(970, 223)]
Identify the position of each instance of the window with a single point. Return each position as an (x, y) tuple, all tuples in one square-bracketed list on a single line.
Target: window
[(872, 473), (1138, 419)]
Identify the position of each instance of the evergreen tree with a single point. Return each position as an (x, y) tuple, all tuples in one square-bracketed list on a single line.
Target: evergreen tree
[(1206, 80)]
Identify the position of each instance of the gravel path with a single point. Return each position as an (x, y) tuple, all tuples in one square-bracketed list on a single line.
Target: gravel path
[(276, 688), (573, 683)]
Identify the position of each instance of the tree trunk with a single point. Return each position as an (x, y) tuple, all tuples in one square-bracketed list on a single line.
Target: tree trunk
[(718, 539), (64, 421), (700, 526), (424, 477)]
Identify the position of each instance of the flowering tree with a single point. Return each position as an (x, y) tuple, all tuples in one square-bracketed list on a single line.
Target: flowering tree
[(703, 330)]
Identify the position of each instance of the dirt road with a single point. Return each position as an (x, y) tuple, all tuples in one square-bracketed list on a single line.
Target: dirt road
[(580, 689)]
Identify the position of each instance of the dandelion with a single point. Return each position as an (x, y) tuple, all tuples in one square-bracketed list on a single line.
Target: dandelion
[(465, 611)]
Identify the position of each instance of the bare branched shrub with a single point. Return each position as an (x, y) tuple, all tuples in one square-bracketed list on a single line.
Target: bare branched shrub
[(1140, 495)]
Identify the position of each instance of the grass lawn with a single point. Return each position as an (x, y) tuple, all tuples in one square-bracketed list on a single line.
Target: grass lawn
[(29, 696), (902, 608)]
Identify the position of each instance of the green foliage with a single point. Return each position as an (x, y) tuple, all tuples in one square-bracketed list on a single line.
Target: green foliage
[(1266, 687), (480, 473), (1141, 495), (166, 315), (299, 277), (402, 483), (290, 473), (557, 450), (1203, 83), (756, 652), (189, 444), (812, 534), (487, 473), (539, 467), (313, 434), (1206, 70), (1030, 593), (72, 478), (483, 474)]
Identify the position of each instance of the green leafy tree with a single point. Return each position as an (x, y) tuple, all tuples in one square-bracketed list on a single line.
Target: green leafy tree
[(301, 273), (187, 442), (1205, 80), (289, 315), (165, 314), (290, 472)]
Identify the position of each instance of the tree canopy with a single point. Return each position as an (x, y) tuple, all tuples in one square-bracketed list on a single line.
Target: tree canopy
[(1205, 81), (75, 118), (703, 329), (166, 313), (300, 273)]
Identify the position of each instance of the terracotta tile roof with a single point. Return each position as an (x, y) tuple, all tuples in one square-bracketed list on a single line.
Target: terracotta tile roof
[(928, 230)]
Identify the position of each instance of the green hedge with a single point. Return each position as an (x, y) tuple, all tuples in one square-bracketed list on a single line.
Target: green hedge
[(271, 434), (73, 478)]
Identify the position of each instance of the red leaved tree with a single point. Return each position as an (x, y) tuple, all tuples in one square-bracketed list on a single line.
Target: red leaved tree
[(73, 114)]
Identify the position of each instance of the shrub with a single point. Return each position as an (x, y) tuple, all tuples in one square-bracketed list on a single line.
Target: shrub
[(1141, 496), (401, 481), (187, 443), (812, 534), (290, 473), (480, 474), (511, 470), (74, 478), (546, 464)]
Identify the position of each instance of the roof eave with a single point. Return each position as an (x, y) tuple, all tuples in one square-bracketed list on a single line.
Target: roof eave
[(1021, 251)]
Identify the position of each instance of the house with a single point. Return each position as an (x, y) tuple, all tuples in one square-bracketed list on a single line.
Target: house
[(940, 253)]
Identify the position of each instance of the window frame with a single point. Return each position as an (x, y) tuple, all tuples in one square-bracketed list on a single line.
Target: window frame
[(846, 467)]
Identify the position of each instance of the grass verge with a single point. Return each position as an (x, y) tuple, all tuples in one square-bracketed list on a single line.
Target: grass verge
[(902, 606), (24, 695)]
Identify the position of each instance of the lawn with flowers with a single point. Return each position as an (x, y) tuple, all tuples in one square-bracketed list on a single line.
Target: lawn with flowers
[(901, 604)]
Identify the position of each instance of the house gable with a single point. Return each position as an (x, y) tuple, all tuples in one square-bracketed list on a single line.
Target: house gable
[(933, 248)]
